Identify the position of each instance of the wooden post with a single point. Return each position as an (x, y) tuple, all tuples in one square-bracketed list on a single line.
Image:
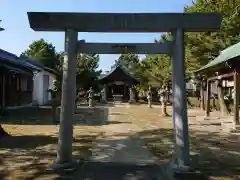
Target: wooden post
[(19, 79), (236, 97), (208, 97), (105, 93), (202, 95), (222, 104), (3, 90)]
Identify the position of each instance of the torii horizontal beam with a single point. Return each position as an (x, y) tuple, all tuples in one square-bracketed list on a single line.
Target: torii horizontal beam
[(124, 48), (124, 22)]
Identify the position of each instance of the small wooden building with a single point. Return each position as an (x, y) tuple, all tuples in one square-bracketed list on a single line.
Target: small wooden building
[(118, 81), (225, 67)]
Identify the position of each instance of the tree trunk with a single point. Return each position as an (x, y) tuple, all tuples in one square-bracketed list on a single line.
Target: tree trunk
[(223, 108), (3, 133)]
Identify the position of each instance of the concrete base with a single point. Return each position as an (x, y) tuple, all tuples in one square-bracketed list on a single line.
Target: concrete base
[(91, 115), (171, 169), (236, 130), (203, 120), (103, 102), (71, 166), (132, 101), (227, 125)]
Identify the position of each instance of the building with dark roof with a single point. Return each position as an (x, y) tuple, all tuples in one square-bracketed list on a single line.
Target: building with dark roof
[(15, 80), (118, 81)]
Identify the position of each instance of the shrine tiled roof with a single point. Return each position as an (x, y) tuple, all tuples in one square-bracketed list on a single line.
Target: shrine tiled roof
[(118, 66)]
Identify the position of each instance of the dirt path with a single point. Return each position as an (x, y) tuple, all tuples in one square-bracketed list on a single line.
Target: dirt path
[(120, 143), (120, 154)]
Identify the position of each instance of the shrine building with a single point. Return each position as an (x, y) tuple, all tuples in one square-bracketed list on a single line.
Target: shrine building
[(117, 83)]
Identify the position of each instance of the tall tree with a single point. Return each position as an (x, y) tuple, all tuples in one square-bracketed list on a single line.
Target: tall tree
[(129, 61), (159, 66), (205, 46), (134, 65), (43, 52), (87, 70)]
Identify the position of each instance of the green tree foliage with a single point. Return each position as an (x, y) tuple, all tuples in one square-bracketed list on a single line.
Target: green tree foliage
[(134, 65), (129, 61), (43, 52), (203, 47), (200, 48), (87, 64), (158, 67), (87, 70)]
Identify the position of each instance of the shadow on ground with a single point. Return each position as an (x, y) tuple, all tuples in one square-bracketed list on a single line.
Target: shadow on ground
[(27, 157), (111, 170), (26, 142), (213, 154), (28, 116), (44, 116)]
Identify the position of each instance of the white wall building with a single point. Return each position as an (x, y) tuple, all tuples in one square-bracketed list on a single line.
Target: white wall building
[(42, 82), (43, 78)]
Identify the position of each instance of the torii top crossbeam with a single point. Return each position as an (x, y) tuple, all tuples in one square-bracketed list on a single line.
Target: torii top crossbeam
[(124, 22)]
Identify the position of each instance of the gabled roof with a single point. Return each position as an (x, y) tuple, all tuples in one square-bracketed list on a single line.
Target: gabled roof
[(118, 66), (225, 55), (13, 60), (37, 65), (7, 56)]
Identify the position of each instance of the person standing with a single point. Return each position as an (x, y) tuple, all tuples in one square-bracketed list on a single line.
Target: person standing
[(149, 97), (90, 97), (163, 93)]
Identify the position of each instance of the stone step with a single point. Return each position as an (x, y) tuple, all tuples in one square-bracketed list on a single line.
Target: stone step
[(202, 120), (120, 171), (189, 175), (227, 125)]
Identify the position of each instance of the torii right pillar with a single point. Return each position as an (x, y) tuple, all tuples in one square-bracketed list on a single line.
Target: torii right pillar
[(180, 118)]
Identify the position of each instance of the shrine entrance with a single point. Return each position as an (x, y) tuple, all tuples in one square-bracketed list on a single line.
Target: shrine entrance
[(117, 83), (176, 23)]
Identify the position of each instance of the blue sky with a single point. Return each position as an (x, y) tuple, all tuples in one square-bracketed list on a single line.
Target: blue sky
[(18, 34)]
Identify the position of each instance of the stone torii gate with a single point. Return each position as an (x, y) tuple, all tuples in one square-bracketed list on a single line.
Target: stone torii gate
[(72, 23)]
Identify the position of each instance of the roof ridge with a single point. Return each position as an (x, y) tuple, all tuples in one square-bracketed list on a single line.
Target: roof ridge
[(8, 53), (123, 68)]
